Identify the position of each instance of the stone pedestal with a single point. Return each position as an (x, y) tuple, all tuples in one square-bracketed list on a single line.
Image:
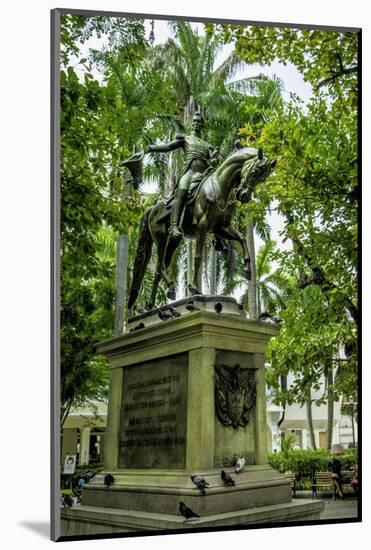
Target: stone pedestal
[(187, 396)]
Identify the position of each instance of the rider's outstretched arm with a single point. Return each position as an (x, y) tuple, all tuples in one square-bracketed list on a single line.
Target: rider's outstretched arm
[(167, 147)]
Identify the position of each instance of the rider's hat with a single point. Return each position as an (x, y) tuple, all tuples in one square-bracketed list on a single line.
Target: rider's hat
[(198, 116)]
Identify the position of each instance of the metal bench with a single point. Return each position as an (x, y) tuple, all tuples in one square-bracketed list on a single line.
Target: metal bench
[(323, 481)]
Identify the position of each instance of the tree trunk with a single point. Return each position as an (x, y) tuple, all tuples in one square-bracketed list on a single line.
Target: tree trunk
[(251, 289), (122, 258), (65, 411), (213, 258), (121, 279), (330, 405), (353, 430), (310, 421)]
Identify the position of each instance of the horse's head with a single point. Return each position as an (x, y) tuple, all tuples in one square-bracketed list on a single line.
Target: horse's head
[(255, 169)]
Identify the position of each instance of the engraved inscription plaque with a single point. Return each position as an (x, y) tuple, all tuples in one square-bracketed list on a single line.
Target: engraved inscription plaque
[(153, 415)]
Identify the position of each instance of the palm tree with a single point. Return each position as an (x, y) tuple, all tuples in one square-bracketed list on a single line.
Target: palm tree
[(266, 96), (130, 80), (271, 285), (189, 60)]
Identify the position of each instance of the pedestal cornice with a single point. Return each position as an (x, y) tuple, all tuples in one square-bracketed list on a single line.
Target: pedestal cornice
[(192, 331)]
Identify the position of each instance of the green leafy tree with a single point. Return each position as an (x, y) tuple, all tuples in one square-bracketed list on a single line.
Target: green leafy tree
[(315, 187), (325, 58), (189, 60), (90, 193)]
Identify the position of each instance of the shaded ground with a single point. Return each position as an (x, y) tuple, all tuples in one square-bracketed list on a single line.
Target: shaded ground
[(338, 509), (347, 508)]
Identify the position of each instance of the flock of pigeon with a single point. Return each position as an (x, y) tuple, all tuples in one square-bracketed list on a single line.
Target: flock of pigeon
[(202, 484), (198, 480), (166, 313), (67, 501)]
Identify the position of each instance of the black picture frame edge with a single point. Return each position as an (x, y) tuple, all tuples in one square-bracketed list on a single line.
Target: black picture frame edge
[(196, 19), (55, 278), (55, 469)]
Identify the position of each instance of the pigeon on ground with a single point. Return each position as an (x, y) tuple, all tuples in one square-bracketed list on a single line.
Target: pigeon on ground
[(186, 512), (108, 479), (240, 464), (68, 501), (163, 315), (139, 309), (200, 483), (174, 312), (191, 307), (88, 476), (193, 290), (227, 479)]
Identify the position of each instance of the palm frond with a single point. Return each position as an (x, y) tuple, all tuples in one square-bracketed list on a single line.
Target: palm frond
[(262, 228), (228, 68), (248, 85), (263, 258)]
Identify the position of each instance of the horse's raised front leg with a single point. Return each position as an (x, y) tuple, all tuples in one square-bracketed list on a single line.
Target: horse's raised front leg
[(232, 234)]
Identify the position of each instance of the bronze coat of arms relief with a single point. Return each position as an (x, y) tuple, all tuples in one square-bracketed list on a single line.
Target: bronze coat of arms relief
[(235, 394)]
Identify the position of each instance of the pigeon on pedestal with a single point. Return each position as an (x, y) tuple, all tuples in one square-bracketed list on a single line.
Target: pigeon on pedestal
[(200, 483), (227, 479), (186, 512), (240, 464), (109, 480), (191, 307), (163, 315), (174, 312)]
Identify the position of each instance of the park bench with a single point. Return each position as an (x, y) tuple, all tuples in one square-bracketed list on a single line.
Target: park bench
[(292, 479), (323, 481)]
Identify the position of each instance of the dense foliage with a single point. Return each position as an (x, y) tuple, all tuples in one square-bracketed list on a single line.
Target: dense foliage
[(148, 94), (100, 124), (302, 462), (315, 189)]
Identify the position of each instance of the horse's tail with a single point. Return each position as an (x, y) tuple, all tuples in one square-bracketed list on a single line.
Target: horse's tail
[(142, 257)]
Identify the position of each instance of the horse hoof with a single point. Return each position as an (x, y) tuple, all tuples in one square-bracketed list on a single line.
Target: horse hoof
[(193, 290), (171, 294)]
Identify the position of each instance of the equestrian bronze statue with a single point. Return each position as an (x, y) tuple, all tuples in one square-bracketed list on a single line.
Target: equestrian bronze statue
[(199, 159), (207, 207)]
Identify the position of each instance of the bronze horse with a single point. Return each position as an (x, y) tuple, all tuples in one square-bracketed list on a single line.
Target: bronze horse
[(210, 211)]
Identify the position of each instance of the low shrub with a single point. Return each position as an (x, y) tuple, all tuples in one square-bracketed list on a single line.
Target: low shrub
[(302, 461), (80, 471)]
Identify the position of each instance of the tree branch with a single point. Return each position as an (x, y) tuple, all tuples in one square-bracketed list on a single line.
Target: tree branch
[(336, 75), (318, 277)]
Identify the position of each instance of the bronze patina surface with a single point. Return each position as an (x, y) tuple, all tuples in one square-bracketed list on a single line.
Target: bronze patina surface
[(203, 201)]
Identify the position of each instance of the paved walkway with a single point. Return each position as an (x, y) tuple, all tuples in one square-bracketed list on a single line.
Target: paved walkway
[(338, 509)]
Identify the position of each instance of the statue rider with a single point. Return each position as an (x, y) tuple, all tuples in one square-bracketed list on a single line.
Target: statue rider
[(199, 159)]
